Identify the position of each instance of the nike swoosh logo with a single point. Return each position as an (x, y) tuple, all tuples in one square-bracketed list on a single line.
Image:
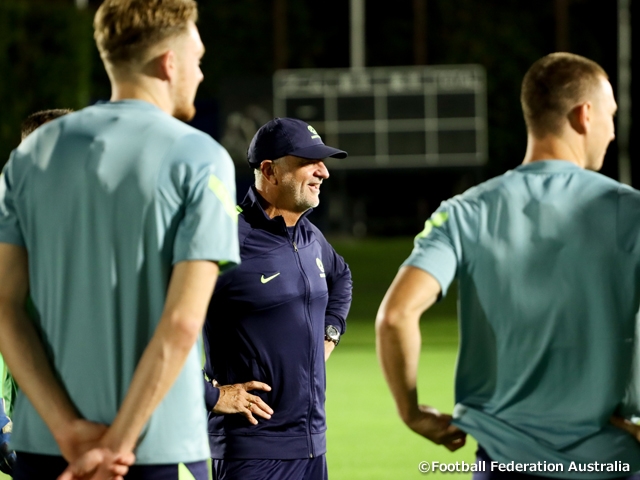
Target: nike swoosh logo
[(268, 279)]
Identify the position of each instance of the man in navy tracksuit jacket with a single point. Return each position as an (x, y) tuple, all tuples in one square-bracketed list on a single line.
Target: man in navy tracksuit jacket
[(274, 320)]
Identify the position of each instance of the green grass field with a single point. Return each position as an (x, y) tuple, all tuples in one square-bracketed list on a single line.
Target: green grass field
[(366, 438)]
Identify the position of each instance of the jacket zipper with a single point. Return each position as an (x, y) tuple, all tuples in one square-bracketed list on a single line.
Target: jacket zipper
[(311, 342)]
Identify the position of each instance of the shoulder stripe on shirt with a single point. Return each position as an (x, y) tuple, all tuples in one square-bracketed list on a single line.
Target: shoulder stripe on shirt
[(437, 220), (218, 187)]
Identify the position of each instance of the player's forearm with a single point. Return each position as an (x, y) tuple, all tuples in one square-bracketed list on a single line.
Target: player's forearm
[(25, 356), (159, 367), (398, 340), (398, 345), (188, 296)]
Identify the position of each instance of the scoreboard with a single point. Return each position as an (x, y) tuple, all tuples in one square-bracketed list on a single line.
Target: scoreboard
[(391, 117)]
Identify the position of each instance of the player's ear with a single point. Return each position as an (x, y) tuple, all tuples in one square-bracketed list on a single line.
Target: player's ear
[(166, 65), (267, 168), (580, 117)]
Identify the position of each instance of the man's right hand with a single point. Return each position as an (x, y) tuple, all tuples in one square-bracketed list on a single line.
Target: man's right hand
[(81, 444), (627, 425), (99, 464), (237, 399), (437, 427), (79, 437)]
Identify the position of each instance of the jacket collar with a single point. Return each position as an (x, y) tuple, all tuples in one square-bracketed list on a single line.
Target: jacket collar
[(255, 214)]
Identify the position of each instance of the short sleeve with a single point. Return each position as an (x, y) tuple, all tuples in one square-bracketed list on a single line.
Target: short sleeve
[(209, 227), (10, 231), (434, 248)]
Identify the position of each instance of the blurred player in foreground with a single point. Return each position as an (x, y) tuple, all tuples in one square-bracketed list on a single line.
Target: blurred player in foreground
[(8, 388), (547, 259), (275, 319), (113, 219)]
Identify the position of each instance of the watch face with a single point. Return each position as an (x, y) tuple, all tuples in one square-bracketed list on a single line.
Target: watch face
[(332, 332)]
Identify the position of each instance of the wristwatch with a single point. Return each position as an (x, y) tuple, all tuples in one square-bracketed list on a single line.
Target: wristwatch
[(332, 334)]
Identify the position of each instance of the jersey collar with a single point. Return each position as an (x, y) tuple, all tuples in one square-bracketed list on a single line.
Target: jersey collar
[(548, 166)]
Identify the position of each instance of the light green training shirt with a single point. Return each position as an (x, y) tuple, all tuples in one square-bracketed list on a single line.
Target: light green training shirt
[(106, 200), (548, 262)]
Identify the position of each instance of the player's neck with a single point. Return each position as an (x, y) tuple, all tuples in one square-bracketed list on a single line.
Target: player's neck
[(148, 91), (552, 147)]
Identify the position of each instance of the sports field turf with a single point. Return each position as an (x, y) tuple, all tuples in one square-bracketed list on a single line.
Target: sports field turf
[(366, 439)]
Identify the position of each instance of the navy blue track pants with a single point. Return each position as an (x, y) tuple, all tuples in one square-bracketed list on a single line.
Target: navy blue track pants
[(299, 469), (30, 466)]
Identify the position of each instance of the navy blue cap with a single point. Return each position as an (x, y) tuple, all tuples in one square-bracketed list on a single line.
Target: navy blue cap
[(288, 136)]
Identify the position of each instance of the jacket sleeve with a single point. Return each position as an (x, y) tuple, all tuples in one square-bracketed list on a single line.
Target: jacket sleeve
[(211, 393), (340, 286)]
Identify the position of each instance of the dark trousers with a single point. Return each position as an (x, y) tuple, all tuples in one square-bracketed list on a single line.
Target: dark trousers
[(30, 466), (299, 469), (481, 456)]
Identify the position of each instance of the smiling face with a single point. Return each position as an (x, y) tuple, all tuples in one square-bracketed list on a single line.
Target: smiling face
[(299, 181)]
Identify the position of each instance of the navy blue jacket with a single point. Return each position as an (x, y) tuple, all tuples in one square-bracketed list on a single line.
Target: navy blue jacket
[(266, 322)]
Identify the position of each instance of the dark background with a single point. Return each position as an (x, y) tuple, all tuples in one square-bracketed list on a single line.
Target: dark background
[(48, 60)]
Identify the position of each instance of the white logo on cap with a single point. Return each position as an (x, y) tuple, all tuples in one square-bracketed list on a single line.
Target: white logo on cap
[(313, 131)]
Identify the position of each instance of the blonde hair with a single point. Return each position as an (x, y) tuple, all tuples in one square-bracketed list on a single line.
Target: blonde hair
[(553, 86), (126, 30)]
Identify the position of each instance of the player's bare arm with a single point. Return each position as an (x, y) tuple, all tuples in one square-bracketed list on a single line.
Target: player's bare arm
[(24, 353), (189, 292), (398, 344), (188, 296)]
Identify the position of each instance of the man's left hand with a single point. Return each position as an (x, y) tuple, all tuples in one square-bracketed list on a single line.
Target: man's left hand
[(78, 437), (99, 464), (81, 445)]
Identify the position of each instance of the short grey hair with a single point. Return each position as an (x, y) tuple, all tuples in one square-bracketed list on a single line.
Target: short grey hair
[(258, 173)]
